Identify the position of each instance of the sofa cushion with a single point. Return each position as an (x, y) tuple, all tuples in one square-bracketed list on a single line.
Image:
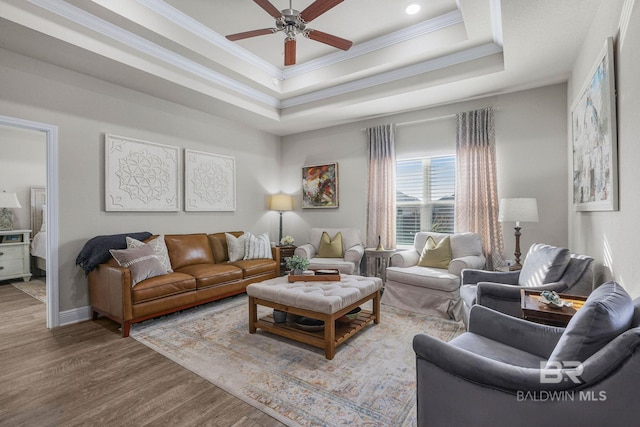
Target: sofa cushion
[(141, 261), (607, 313), (543, 264), (465, 244), (235, 246), (436, 255), (425, 277), (162, 286), (255, 267), (159, 247), (340, 264), (330, 247), (212, 274), (188, 249)]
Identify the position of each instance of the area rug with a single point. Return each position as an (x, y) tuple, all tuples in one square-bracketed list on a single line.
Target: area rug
[(370, 382), (35, 288)]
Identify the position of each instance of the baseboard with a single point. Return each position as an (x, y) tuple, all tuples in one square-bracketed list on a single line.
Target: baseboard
[(75, 315)]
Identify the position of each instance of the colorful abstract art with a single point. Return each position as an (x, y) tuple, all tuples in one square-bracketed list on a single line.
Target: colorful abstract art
[(320, 186)]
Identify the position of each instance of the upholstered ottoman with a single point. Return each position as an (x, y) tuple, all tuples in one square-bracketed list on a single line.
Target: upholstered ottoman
[(322, 300)]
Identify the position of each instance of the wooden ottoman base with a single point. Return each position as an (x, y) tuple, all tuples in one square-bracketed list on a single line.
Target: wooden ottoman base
[(332, 336)]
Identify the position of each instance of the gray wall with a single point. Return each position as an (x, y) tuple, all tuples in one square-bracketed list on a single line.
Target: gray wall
[(530, 148), (610, 236), (84, 109), (22, 166)]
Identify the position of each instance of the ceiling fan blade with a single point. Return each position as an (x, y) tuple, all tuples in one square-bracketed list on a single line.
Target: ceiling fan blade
[(290, 52), (317, 8), (269, 8), (329, 39), (252, 33)]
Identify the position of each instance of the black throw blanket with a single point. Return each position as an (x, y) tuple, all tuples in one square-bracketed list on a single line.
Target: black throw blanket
[(96, 250)]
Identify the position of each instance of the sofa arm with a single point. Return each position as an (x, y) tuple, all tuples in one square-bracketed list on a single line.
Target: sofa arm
[(354, 254), (471, 261), (305, 251), (110, 291), (473, 276), (407, 258), (506, 298), (522, 334)]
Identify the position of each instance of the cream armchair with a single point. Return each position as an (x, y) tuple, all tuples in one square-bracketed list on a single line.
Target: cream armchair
[(431, 290), (352, 250)]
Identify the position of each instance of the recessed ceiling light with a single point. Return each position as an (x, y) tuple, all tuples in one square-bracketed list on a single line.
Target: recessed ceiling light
[(412, 8)]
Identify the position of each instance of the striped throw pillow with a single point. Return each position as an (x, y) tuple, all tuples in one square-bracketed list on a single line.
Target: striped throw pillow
[(257, 247)]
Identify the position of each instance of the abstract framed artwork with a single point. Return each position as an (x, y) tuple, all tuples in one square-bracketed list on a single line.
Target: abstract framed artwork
[(209, 182), (593, 126), (140, 175), (320, 186)]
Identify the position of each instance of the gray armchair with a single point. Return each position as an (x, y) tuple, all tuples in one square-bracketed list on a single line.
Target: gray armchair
[(505, 371), (545, 268)]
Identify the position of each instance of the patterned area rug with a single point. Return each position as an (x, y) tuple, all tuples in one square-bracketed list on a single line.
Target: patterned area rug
[(36, 288), (371, 380)]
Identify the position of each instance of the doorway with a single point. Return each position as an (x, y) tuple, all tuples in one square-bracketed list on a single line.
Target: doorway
[(51, 138)]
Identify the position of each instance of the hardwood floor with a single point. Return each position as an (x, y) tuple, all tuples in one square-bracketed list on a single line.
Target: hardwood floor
[(86, 374)]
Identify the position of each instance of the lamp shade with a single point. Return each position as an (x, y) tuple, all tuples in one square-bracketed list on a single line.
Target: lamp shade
[(281, 202), (9, 200), (518, 210)]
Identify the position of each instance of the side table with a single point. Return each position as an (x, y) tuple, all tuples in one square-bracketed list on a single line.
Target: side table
[(539, 312), (377, 262), (282, 253)]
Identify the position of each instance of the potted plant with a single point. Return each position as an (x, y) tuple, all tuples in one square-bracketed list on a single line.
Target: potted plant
[(297, 264)]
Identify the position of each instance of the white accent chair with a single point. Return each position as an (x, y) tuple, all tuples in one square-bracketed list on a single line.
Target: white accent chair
[(430, 290), (352, 250)]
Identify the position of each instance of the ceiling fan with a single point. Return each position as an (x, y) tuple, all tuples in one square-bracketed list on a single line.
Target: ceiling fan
[(292, 23)]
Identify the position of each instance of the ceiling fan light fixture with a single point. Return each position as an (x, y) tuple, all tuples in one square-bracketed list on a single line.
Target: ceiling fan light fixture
[(412, 8)]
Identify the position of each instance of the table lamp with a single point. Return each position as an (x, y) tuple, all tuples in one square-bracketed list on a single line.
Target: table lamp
[(518, 210), (7, 201), (281, 203)]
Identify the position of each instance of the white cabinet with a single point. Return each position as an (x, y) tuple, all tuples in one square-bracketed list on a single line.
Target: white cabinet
[(15, 261)]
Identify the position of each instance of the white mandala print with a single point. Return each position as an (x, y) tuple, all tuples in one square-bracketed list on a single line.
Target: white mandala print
[(210, 183), (140, 175), (143, 176)]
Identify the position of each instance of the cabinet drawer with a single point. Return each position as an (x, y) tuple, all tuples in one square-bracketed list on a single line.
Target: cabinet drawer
[(11, 252), (11, 267)]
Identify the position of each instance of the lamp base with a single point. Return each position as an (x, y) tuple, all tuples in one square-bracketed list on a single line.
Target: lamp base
[(6, 219)]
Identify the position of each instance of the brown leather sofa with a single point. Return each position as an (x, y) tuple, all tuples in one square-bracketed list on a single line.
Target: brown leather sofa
[(201, 273)]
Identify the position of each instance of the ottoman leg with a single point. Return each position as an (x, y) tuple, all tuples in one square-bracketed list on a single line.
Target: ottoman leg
[(329, 337), (253, 315), (376, 307)]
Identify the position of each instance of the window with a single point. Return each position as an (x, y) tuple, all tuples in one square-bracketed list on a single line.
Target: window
[(425, 196)]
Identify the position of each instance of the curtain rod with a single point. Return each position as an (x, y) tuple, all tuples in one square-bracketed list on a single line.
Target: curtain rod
[(431, 119)]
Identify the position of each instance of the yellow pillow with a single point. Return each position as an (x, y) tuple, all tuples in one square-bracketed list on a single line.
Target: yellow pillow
[(330, 248), (436, 256)]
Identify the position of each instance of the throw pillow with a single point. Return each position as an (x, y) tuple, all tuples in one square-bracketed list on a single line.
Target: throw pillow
[(330, 248), (141, 261), (235, 246), (159, 247), (257, 247), (436, 255), (606, 314)]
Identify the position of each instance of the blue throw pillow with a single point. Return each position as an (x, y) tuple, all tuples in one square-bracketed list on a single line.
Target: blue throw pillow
[(606, 314)]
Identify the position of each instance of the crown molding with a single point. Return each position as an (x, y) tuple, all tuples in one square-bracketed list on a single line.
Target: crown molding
[(382, 42), (466, 55), (87, 20), (197, 28)]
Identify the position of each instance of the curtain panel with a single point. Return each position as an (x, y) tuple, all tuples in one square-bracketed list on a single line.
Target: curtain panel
[(381, 188), (477, 205)]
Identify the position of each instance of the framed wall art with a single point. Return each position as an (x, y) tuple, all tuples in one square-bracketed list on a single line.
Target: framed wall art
[(320, 186), (140, 175), (593, 126), (209, 182)]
